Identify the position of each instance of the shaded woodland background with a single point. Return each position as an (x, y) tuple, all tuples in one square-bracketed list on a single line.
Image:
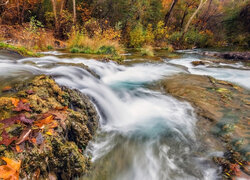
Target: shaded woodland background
[(168, 24)]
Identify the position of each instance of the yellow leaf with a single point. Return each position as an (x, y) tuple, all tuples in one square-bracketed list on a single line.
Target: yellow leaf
[(10, 170)]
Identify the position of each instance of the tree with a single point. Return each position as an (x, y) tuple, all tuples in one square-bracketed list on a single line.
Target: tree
[(74, 12), (169, 12), (53, 2), (202, 3)]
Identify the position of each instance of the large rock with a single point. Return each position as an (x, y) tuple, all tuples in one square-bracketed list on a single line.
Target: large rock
[(223, 115), (47, 128)]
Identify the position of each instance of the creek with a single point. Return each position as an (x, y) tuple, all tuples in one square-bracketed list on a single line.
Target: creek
[(144, 134)]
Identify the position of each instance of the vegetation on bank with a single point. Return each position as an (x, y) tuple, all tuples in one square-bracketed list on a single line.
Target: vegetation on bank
[(106, 27), (21, 50), (96, 42)]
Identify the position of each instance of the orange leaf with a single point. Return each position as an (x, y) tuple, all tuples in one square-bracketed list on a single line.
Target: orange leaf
[(10, 170), (33, 140), (45, 121), (15, 101), (6, 88), (18, 149), (24, 100)]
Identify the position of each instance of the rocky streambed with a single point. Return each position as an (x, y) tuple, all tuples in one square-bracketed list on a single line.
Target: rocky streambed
[(223, 112), (44, 130)]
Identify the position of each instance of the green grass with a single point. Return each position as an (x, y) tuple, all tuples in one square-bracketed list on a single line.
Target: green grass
[(103, 50), (109, 51), (21, 50)]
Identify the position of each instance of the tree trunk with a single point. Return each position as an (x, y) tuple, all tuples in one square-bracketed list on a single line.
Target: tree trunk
[(202, 3), (169, 12), (74, 12), (55, 14), (18, 11), (183, 18)]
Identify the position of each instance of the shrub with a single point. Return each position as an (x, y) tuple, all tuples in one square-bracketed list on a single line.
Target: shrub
[(137, 37), (160, 31), (147, 51), (149, 36), (106, 50), (49, 47), (175, 37), (79, 42)]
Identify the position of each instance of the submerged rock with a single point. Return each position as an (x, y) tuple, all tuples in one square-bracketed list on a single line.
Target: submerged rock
[(245, 56), (47, 128), (223, 111)]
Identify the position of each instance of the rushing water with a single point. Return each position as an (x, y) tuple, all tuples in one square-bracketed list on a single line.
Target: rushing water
[(143, 134)]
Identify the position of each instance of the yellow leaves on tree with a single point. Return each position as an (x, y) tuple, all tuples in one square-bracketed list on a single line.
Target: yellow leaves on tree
[(11, 170)]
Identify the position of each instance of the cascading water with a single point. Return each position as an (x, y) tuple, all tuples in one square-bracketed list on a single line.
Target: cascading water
[(143, 134)]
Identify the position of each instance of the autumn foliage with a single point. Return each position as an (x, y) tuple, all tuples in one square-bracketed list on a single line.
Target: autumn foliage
[(175, 23)]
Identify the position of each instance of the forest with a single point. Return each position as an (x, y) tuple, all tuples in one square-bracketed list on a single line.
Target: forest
[(110, 26)]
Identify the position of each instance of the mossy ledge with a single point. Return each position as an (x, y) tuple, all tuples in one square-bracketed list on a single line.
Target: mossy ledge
[(47, 128), (20, 50)]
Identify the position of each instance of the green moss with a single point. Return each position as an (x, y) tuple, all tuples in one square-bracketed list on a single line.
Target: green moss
[(22, 50), (49, 47)]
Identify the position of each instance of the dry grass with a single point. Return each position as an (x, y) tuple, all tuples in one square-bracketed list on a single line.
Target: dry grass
[(21, 36), (81, 40)]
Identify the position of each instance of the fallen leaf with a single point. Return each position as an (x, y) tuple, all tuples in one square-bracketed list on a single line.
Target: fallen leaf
[(60, 115), (22, 107), (50, 132), (44, 122), (11, 170), (236, 169), (24, 100), (24, 136), (6, 140), (18, 149), (14, 101), (6, 88), (30, 92), (62, 108), (24, 119), (9, 121), (33, 140), (39, 138)]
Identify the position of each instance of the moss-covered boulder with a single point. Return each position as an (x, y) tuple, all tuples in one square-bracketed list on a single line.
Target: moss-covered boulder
[(47, 128)]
